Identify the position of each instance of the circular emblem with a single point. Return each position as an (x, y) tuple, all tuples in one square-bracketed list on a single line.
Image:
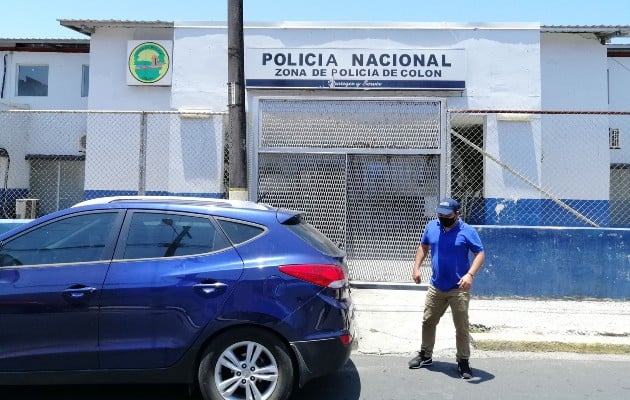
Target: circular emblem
[(148, 62)]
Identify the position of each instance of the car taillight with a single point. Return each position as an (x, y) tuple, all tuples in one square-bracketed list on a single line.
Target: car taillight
[(345, 339), (331, 276)]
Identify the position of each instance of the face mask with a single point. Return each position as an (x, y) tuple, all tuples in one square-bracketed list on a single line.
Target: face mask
[(447, 222)]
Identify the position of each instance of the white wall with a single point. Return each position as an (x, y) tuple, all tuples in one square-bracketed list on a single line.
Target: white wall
[(574, 79), (64, 80), (41, 133), (182, 156), (619, 98), (509, 66), (200, 69), (113, 148), (573, 69), (503, 60), (108, 68)]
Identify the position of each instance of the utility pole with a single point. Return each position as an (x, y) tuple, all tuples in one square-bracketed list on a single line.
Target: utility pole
[(236, 103)]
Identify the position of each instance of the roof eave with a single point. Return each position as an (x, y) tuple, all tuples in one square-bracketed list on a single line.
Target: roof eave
[(602, 32), (88, 27)]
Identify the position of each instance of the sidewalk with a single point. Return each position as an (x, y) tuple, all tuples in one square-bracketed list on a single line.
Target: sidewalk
[(389, 321)]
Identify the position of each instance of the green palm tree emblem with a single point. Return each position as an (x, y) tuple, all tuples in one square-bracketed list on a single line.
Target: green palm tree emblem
[(148, 62)]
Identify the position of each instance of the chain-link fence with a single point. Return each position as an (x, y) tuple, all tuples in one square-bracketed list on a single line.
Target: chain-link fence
[(541, 168), (506, 167), (50, 160)]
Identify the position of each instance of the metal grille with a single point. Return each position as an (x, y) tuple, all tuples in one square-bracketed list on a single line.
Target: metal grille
[(390, 200), (313, 183), (325, 157), (365, 124)]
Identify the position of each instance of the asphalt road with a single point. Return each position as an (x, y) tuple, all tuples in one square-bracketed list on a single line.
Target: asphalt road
[(369, 377)]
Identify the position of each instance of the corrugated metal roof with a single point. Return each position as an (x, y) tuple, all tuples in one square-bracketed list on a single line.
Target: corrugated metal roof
[(88, 26), (5, 41), (603, 32), (45, 45), (584, 28)]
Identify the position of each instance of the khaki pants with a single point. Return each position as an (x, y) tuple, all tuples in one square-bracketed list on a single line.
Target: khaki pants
[(435, 305)]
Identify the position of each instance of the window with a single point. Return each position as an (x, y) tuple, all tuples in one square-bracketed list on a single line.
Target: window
[(240, 232), (614, 139), (153, 235), (73, 239), (32, 80), (85, 81), (313, 237)]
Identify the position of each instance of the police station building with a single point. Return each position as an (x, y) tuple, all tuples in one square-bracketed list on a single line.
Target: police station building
[(366, 125)]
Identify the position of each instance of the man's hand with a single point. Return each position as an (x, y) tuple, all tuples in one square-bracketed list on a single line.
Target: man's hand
[(466, 282), (421, 253), (416, 275)]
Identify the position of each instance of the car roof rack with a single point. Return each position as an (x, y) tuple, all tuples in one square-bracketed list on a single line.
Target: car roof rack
[(199, 201)]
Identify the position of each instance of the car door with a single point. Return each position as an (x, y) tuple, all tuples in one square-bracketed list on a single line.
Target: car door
[(170, 276), (51, 276)]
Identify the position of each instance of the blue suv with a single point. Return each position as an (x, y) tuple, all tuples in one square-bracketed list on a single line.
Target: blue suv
[(240, 298)]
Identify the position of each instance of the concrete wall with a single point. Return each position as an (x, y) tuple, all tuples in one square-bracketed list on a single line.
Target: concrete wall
[(508, 66), (502, 60), (574, 77), (619, 98), (573, 72), (555, 262), (183, 156), (108, 68), (23, 134), (64, 80), (550, 149)]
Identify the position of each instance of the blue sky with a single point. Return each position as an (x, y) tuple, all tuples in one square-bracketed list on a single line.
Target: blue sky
[(38, 18)]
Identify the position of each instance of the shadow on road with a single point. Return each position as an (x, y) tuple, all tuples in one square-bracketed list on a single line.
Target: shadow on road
[(450, 369), (96, 392), (344, 384)]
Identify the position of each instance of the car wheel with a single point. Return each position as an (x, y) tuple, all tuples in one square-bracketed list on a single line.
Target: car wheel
[(246, 363)]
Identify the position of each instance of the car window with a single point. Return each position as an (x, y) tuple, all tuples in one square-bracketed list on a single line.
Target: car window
[(239, 232), (78, 238), (153, 235), (314, 237)]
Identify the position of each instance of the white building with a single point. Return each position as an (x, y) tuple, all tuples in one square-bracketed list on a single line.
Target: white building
[(44, 74), (334, 106)]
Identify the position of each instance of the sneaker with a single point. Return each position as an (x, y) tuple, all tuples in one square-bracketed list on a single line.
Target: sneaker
[(420, 361), (464, 369)]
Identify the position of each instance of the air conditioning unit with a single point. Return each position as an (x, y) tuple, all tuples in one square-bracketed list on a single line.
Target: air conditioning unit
[(82, 143), (26, 208)]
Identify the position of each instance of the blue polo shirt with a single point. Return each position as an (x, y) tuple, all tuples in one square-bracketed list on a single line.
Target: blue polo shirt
[(450, 252)]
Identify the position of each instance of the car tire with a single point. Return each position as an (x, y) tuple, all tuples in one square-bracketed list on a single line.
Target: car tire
[(246, 361)]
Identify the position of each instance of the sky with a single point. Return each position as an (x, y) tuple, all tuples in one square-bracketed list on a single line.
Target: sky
[(38, 19)]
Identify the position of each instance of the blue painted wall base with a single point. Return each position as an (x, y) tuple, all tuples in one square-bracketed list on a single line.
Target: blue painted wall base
[(554, 262)]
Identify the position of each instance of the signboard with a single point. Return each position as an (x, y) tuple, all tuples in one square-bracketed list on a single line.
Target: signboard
[(414, 69), (149, 62)]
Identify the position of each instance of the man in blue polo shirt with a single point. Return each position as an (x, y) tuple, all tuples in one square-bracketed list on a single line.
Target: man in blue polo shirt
[(450, 241)]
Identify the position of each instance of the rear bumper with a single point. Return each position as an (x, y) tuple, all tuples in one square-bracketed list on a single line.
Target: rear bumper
[(312, 362)]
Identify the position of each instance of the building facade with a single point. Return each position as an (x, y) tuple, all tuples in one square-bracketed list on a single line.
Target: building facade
[(363, 126), (348, 105)]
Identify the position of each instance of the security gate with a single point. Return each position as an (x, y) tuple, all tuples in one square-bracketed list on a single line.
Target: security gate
[(366, 172)]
